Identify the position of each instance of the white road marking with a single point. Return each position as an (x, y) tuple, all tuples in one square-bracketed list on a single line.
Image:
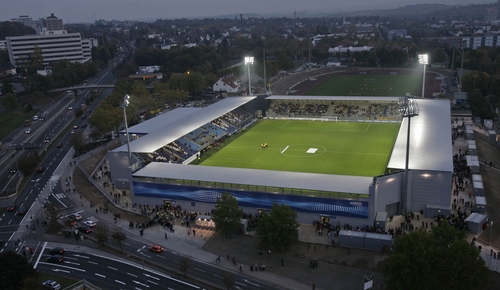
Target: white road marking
[(137, 282), (112, 268), (198, 269), (250, 282), (97, 274), (93, 263), (72, 268), (123, 283), (149, 276), (59, 270), (80, 256), (152, 282), (240, 283), (132, 275)]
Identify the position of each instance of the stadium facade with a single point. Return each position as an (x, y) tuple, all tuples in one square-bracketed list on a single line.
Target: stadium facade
[(163, 147)]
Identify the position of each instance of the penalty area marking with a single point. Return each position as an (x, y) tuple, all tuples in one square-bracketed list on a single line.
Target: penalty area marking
[(283, 151)]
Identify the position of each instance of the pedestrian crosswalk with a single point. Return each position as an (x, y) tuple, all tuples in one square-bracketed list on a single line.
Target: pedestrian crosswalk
[(60, 195)]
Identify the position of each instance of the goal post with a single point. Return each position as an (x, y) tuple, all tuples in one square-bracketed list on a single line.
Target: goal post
[(329, 118)]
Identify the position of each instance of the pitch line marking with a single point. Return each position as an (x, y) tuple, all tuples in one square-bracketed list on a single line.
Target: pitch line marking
[(283, 151), (285, 124), (368, 127)]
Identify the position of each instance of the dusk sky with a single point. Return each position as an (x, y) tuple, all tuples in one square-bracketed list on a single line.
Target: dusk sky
[(72, 11)]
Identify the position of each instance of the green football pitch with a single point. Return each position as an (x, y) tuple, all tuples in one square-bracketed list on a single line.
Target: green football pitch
[(369, 85), (344, 148)]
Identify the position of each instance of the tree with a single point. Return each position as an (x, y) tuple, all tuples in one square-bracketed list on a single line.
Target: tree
[(228, 280), (27, 164), (227, 214), (440, 259), (185, 264), (278, 228), (78, 141), (101, 233), (15, 270), (9, 102), (119, 236)]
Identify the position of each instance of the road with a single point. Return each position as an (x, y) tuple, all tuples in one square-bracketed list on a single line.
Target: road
[(109, 273), (50, 128)]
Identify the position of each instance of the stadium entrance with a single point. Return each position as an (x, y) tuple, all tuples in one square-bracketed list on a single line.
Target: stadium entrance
[(324, 218)]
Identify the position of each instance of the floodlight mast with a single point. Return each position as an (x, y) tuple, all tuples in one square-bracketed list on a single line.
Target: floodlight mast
[(248, 62), (408, 109), (124, 105), (423, 59)]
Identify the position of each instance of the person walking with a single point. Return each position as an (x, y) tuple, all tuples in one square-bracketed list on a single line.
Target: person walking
[(282, 262), (314, 286), (166, 238), (241, 268)]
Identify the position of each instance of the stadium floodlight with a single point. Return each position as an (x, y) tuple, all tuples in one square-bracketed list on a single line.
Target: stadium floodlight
[(423, 59), (408, 109), (124, 105), (248, 62)]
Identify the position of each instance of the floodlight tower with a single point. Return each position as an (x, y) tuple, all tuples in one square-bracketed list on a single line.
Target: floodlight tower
[(423, 59), (408, 109), (124, 105), (248, 62)]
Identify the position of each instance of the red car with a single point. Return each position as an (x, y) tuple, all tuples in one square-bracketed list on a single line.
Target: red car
[(11, 207), (156, 249)]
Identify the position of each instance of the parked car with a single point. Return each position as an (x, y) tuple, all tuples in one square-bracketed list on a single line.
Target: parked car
[(90, 223), (55, 259), (75, 216), (156, 248), (51, 284), (85, 229), (57, 251), (22, 210)]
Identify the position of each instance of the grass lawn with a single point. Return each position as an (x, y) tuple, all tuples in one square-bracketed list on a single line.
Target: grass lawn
[(369, 85), (345, 148)]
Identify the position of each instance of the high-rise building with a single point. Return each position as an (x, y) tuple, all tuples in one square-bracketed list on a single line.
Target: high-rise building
[(491, 14), (52, 23), (55, 45)]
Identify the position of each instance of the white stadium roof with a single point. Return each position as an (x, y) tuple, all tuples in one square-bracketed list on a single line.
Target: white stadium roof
[(299, 180), (171, 131), (430, 139), (161, 121)]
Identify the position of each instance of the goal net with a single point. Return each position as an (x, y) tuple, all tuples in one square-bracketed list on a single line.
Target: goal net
[(329, 118)]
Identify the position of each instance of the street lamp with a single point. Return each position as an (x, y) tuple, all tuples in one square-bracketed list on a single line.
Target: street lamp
[(124, 105), (423, 59), (248, 62), (408, 109)]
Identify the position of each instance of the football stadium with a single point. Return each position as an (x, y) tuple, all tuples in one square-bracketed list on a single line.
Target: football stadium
[(335, 158)]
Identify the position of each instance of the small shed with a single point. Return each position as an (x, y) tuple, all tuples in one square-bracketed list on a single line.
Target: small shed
[(477, 185), (381, 220), (469, 132), (488, 124), (492, 135), (377, 242), (475, 223), (433, 210), (351, 239), (480, 204), (473, 163), (471, 147)]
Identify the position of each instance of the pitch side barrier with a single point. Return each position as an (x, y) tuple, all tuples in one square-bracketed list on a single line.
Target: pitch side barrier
[(381, 120)]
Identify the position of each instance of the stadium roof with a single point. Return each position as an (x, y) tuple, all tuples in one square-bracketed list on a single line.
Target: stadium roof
[(430, 139), (299, 180), (161, 121), (334, 98), (170, 132)]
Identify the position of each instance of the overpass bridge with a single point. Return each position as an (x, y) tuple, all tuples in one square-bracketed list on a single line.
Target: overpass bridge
[(84, 87)]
